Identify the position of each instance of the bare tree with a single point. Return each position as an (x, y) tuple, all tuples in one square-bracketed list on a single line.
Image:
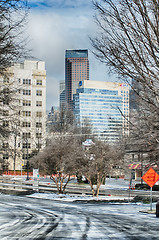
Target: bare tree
[(9, 118), (64, 122), (12, 21), (58, 160), (13, 15), (98, 162), (128, 44)]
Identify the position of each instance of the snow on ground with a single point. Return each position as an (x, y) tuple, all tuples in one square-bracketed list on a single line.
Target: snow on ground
[(111, 183), (71, 197)]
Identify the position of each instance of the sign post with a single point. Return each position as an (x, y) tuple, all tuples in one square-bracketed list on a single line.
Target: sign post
[(150, 177), (36, 178)]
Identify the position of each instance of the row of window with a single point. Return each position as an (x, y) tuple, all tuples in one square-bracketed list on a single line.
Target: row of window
[(27, 135), (24, 124), (28, 103), (28, 124), (99, 105), (28, 114), (100, 102), (99, 91), (25, 81), (28, 81), (28, 92), (24, 156)]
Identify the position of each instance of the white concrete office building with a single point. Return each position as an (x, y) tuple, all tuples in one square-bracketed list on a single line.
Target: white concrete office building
[(29, 78)]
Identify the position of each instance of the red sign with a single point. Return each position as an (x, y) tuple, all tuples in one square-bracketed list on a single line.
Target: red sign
[(150, 177)]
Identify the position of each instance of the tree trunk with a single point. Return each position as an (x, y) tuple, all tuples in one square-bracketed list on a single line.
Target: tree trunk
[(91, 185), (61, 182), (99, 182), (66, 183), (15, 153), (56, 182)]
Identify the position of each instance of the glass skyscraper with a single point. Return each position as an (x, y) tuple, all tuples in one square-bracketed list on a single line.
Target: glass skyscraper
[(101, 104), (76, 69)]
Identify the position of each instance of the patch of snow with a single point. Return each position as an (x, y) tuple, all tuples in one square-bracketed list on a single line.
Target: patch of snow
[(71, 197)]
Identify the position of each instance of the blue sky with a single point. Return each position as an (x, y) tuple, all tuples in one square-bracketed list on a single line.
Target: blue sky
[(60, 3), (57, 25)]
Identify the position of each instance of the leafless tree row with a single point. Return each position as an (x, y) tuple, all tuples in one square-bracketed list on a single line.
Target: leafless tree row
[(128, 43), (13, 15), (65, 156)]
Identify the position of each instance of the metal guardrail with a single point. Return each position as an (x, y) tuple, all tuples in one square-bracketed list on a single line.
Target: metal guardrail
[(17, 185), (8, 185)]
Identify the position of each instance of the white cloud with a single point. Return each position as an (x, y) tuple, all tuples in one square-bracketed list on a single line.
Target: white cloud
[(54, 29)]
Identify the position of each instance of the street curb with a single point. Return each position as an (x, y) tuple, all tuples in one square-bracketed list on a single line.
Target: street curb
[(148, 211)]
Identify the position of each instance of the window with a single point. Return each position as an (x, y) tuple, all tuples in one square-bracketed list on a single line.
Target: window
[(38, 92), (26, 124), (39, 124), (26, 113), (6, 80), (27, 81), (38, 135), (26, 103), (6, 100), (38, 103), (6, 91), (26, 135), (26, 92), (38, 145), (26, 156), (26, 145), (5, 156), (5, 123), (5, 145), (18, 123), (5, 113), (39, 114), (38, 82)]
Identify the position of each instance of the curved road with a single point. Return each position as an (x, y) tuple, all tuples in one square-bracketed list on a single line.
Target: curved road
[(27, 219)]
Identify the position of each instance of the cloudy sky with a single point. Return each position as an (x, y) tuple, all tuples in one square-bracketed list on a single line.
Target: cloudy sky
[(57, 25)]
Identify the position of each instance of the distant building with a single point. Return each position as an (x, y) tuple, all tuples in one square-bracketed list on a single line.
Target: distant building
[(134, 97), (62, 95), (100, 103), (52, 117), (29, 132), (76, 69)]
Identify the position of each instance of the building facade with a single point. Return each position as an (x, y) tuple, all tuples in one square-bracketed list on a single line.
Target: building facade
[(76, 69), (101, 104), (62, 95), (29, 78)]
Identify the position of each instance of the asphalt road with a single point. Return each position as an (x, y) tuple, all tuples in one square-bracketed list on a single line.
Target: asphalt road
[(28, 219)]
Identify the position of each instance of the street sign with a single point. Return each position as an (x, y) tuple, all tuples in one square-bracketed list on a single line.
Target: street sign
[(35, 173), (150, 177)]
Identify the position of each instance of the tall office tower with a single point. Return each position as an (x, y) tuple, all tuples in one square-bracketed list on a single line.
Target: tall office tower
[(100, 104), (62, 95), (76, 69), (28, 129)]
